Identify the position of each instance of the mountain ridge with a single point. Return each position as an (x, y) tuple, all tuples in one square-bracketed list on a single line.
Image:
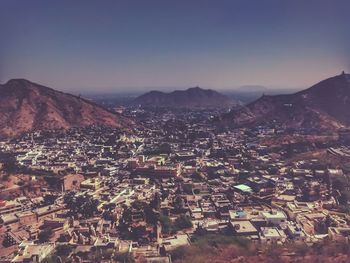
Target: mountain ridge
[(324, 106), (28, 106), (194, 97)]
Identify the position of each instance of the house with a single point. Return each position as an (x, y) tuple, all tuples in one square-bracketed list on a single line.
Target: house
[(242, 188), (175, 241), (238, 215), (30, 252), (243, 228), (339, 233), (27, 217), (295, 231), (272, 234), (56, 223), (274, 217), (91, 183), (106, 242), (71, 182)]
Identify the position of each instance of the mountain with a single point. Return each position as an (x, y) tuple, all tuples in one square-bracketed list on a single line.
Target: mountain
[(324, 106), (190, 98), (27, 106)]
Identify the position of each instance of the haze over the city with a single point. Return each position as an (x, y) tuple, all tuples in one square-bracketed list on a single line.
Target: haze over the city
[(113, 46)]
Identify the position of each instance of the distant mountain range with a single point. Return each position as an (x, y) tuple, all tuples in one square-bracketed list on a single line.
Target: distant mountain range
[(325, 105), (27, 106), (252, 88), (191, 98)]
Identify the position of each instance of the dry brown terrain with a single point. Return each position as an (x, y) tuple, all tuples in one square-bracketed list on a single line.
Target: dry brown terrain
[(26, 106), (323, 106)]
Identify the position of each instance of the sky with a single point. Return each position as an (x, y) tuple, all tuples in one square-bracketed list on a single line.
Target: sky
[(114, 45)]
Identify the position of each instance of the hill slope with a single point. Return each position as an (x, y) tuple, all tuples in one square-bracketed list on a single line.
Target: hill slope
[(325, 106), (27, 106), (190, 98)]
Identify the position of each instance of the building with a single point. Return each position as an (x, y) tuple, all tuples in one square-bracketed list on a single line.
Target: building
[(242, 188), (27, 218), (243, 228), (71, 182), (272, 234), (30, 252), (91, 183), (274, 217)]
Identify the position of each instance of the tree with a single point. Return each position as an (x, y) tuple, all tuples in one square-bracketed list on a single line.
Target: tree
[(81, 204), (182, 222), (178, 203), (164, 148), (124, 257), (343, 198), (68, 199), (138, 205), (63, 250), (9, 161), (339, 183), (49, 199), (274, 252), (125, 222), (305, 191), (151, 216), (328, 221), (156, 201), (178, 253), (45, 235), (187, 188), (96, 256), (88, 206), (166, 224), (301, 249), (138, 232), (52, 259), (199, 176), (196, 191)]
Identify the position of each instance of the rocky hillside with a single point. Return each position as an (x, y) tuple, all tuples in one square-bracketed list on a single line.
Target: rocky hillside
[(27, 106), (324, 105)]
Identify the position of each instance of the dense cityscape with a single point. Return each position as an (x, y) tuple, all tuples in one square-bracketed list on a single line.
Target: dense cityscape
[(187, 131), (99, 193)]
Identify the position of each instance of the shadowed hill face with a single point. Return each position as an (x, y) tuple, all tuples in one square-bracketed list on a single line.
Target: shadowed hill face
[(190, 98), (27, 106), (325, 105), (332, 96)]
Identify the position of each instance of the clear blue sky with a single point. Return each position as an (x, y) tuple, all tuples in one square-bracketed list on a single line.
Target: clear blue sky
[(111, 45)]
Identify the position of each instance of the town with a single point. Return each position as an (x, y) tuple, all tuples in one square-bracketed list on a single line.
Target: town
[(98, 194)]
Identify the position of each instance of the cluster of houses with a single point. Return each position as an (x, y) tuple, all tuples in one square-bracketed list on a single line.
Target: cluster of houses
[(224, 182)]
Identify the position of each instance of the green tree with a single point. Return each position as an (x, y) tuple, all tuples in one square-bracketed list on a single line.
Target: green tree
[(81, 204), (138, 232), (156, 201), (63, 250), (151, 215), (187, 188), (339, 183), (138, 205), (178, 203), (166, 224), (49, 199), (52, 259), (10, 163), (45, 235), (182, 222), (124, 257)]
